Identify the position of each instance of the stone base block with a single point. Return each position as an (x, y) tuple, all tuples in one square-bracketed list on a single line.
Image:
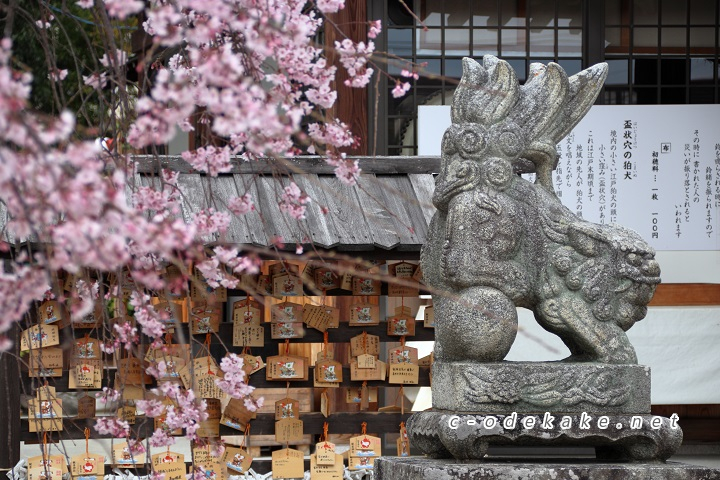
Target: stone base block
[(419, 468), (531, 387), (615, 437)]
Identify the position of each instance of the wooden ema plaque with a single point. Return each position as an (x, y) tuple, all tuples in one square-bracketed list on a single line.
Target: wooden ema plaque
[(326, 279), (405, 286), (402, 354), (45, 411), (328, 374), (361, 463), (122, 456), (248, 335), (201, 366), (287, 285), (44, 473), (362, 314), (288, 463), (281, 331), (46, 358), (264, 286), (287, 368), (403, 442), (87, 348), (379, 372), (287, 408), (286, 312), (404, 374), (318, 317), (50, 312), (280, 267), (366, 286), (170, 464), (209, 459), (237, 460), (355, 394), (205, 319), (88, 466), (334, 471), (289, 430), (130, 371), (364, 449), (365, 343), (366, 361), (205, 386), (247, 312), (235, 414), (402, 323), (325, 453), (39, 336), (201, 291), (252, 364), (334, 316), (169, 313), (161, 423), (429, 317), (86, 374), (86, 407), (89, 321), (127, 413), (51, 461)]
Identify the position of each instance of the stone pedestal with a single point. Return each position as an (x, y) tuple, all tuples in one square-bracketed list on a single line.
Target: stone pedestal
[(524, 387), (616, 437), (418, 468)]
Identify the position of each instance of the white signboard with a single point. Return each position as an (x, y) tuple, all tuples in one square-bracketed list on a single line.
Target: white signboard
[(652, 168)]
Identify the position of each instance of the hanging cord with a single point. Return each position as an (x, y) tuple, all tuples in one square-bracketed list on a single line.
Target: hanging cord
[(325, 434), (208, 339), (246, 435), (400, 395)]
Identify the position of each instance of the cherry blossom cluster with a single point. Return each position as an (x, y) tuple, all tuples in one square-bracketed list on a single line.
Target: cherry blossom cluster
[(186, 411), (234, 384), (346, 169), (293, 201), (354, 57), (250, 72)]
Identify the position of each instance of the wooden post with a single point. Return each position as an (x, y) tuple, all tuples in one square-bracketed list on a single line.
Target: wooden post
[(351, 106), (10, 404)]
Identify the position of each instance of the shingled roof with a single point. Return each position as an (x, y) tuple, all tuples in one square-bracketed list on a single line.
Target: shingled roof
[(389, 208)]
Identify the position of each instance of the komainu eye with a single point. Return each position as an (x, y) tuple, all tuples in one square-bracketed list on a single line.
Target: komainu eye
[(471, 140), (508, 138)]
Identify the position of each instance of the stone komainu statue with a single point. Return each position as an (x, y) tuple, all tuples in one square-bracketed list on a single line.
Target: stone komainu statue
[(498, 241)]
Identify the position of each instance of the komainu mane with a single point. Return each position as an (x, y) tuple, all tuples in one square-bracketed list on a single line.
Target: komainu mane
[(498, 241)]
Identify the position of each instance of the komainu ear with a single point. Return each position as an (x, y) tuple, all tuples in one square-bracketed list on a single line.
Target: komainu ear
[(486, 92), (584, 89)]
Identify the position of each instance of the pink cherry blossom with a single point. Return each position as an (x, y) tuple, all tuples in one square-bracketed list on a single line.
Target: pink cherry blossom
[(347, 170), (293, 201), (123, 8), (375, 29), (400, 89), (234, 383), (330, 6), (251, 73), (112, 426), (241, 205)]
